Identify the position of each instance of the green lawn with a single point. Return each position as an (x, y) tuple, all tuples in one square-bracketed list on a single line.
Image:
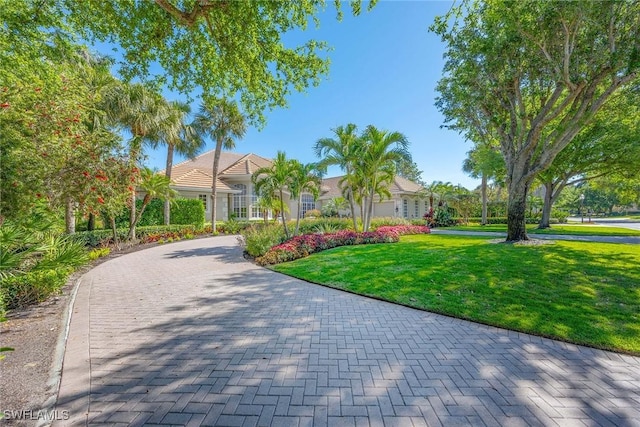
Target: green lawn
[(581, 292), (578, 230)]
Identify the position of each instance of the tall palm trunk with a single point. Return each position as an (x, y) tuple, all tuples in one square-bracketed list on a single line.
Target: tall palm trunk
[(284, 221), (214, 186), (298, 216), (370, 209), (168, 168), (352, 206), (133, 157)]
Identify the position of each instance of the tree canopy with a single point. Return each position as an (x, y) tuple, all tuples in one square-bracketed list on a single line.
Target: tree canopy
[(224, 48), (534, 74)]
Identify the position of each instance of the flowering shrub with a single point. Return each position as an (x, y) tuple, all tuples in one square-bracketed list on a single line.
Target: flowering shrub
[(302, 246), (402, 230)]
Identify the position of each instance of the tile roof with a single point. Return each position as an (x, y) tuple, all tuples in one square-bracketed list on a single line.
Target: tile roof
[(331, 187), (196, 173), (247, 165)]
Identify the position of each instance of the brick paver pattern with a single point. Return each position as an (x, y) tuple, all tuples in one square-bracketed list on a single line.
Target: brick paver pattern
[(192, 334)]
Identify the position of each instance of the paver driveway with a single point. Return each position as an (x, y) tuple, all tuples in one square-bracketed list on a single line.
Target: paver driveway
[(191, 333)]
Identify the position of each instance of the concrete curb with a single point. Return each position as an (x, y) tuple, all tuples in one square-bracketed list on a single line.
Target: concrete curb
[(55, 374)]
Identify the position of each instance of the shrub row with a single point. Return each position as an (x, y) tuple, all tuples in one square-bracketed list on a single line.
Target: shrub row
[(503, 220), (183, 212), (104, 237), (32, 287), (304, 245)]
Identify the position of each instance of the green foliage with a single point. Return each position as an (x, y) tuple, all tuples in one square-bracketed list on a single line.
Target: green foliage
[(183, 212), (233, 226), (389, 221), (94, 254), (311, 225), (532, 75), (257, 240), (24, 249), (442, 218), (233, 49), (35, 286), (313, 213), (335, 206), (187, 211), (98, 238)]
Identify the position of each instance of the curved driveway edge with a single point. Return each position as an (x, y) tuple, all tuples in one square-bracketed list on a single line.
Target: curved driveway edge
[(192, 334)]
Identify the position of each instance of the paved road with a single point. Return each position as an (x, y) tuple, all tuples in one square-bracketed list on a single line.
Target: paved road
[(192, 334)]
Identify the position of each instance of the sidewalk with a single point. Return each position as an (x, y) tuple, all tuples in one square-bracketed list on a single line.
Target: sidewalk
[(192, 334)]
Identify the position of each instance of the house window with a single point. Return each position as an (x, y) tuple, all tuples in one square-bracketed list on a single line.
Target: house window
[(417, 209), (203, 198), (255, 209), (405, 208), (307, 204), (240, 201)]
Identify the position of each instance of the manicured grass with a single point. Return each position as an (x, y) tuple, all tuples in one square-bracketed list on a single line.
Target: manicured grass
[(582, 292), (577, 230)]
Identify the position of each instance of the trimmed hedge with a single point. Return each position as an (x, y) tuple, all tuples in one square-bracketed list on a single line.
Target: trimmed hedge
[(187, 212), (503, 220), (183, 211)]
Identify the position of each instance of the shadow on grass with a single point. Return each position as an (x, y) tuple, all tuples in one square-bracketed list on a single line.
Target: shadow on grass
[(239, 344)]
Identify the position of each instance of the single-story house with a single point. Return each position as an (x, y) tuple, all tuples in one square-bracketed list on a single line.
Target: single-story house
[(236, 196)]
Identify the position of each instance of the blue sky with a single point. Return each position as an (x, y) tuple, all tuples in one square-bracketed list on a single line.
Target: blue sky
[(384, 68)]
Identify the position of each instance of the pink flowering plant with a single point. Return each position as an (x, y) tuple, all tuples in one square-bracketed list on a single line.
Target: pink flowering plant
[(306, 244)]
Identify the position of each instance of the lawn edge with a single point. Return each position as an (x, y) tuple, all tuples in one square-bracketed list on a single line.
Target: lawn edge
[(465, 319)]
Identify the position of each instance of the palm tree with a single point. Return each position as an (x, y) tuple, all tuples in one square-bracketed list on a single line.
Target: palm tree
[(180, 137), (343, 151), (304, 178), (382, 150), (270, 182), (222, 121), (155, 186), (142, 111)]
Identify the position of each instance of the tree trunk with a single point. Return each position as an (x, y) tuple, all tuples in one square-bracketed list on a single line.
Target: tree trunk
[(546, 207), (516, 210), (114, 230), (483, 189), (70, 216), (132, 218), (353, 210), (167, 172), (138, 217), (369, 210), (298, 216), (284, 221), (91, 225), (214, 186)]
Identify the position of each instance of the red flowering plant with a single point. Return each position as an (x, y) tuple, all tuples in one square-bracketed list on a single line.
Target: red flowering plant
[(306, 244)]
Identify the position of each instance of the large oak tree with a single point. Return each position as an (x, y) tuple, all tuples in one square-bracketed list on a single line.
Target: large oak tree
[(536, 73)]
